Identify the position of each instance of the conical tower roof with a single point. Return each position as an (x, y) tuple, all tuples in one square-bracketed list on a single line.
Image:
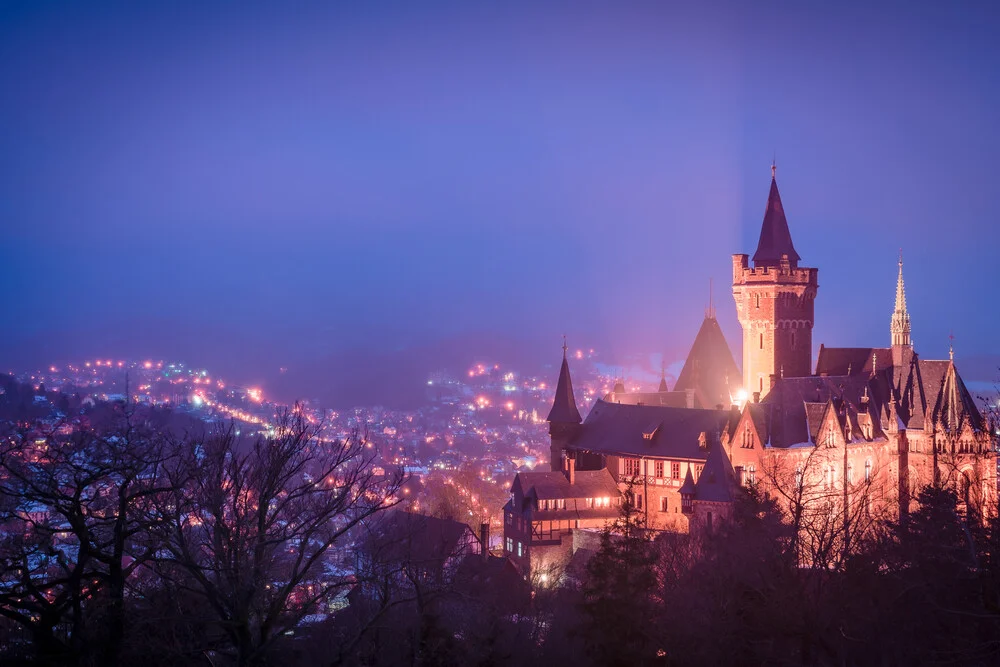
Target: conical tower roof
[(710, 369), (775, 239), (564, 410), (717, 479), (687, 488)]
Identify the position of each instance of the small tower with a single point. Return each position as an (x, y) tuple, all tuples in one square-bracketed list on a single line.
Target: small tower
[(774, 302), (663, 379), (564, 417), (899, 328)]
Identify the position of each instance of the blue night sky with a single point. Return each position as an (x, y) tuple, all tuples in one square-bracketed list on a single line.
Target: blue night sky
[(285, 181)]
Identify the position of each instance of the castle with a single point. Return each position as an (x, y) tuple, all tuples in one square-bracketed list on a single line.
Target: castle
[(852, 439)]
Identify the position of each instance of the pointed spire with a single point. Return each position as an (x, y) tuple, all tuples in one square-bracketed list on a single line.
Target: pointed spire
[(564, 410), (775, 239), (663, 377), (900, 325)]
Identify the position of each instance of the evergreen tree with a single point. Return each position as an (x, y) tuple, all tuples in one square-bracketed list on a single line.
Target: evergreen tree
[(618, 603)]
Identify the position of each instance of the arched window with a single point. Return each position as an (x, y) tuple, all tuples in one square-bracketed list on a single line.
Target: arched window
[(793, 339), (756, 298), (868, 470), (850, 473), (762, 341), (798, 475), (751, 475)]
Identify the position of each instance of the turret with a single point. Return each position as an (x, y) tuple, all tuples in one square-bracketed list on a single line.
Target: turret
[(564, 417)]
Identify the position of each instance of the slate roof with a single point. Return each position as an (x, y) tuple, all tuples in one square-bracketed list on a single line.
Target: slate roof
[(852, 360), (954, 407), (775, 239), (717, 479), (687, 488), (709, 370), (554, 484), (564, 410), (614, 428), (676, 399), (914, 392), (794, 409)]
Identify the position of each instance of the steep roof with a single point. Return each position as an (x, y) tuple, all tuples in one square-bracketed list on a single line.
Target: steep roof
[(792, 413), (775, 239), (709, 370), (648, 430), (954, 408), (676, 399), (564, 410), (715, 484), (587, 484), (687, 488), (852, 360)]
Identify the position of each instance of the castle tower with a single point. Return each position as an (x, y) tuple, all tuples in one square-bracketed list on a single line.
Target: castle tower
[(899, 327), (564, 417), (774, 303)]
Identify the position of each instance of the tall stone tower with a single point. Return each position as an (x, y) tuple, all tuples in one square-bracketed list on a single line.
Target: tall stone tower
[(774, 302)]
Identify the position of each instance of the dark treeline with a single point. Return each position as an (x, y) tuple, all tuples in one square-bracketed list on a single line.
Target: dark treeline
[(130, 537)]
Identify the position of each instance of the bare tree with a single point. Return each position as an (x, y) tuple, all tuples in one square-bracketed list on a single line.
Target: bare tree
[(79, 524), (255, 533)]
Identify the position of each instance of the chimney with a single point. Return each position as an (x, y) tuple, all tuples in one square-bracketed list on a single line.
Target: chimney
[(756, 397), (570, 470), (484, 538)]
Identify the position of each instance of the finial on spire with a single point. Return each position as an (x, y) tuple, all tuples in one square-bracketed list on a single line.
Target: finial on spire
[(774, 167), (899, 328), (565, 346), (710, 312), (951, 346)]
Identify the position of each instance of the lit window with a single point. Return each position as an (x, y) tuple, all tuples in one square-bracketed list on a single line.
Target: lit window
[(850, 473), (520, 550), (798, 475), (510, 545), (750, 474), (589, 502), (868, 470)]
